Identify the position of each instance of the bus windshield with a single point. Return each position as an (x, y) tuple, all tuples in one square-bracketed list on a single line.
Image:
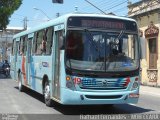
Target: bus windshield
[(101, 51)]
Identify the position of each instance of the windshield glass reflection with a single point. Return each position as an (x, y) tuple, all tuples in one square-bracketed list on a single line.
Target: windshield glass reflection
[(101, 51)]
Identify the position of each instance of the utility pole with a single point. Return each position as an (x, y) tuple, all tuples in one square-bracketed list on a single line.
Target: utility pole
[(57, 14), (76, 9), (129, 2), (25, 23)]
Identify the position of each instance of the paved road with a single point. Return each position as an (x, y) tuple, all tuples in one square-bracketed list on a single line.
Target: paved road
[(30, 102)]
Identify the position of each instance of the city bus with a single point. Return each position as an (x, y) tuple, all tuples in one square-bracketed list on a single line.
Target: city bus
[(80, 59)]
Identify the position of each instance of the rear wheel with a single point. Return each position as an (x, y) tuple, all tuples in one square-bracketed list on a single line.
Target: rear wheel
[(20, 85), (7, 73), (47, 96)]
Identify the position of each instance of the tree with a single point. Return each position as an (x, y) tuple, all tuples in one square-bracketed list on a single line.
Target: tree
[(7, 8)]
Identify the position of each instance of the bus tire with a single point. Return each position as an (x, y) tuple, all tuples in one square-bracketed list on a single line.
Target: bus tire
[(20, 85), (47, 96)]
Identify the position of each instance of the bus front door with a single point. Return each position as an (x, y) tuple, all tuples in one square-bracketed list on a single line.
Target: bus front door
[(56, 78), (28, 61)]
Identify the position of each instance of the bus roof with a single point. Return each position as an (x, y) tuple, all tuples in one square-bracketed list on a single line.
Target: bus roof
[(63, 19)]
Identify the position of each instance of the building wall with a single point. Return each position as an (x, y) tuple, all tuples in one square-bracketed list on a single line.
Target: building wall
[(143, 23), (145, 15), (6, 41)]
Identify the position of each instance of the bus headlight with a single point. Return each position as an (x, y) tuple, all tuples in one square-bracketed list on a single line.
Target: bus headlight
[(69, 83), (135, 84)]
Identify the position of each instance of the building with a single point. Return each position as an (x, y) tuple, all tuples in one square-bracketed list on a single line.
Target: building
[(6, 41), (147, 14)]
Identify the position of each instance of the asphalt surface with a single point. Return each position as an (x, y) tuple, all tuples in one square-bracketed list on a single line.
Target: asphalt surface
[(31, 104)]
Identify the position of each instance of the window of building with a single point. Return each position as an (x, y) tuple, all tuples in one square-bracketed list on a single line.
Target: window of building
[(153, 53)]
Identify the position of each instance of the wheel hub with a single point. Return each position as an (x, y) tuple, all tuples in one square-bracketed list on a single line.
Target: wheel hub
[(47, 92)]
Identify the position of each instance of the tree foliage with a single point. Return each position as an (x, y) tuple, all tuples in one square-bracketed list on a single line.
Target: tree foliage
[(7, 8)]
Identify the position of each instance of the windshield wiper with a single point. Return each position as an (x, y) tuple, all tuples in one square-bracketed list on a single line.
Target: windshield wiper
[(70, 66), (90, 39), (120, 34)]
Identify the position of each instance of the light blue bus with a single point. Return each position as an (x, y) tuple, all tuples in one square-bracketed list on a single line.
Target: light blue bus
[(80, 59)]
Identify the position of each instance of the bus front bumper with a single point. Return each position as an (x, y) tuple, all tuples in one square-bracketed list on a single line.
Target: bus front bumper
[(69, 97)]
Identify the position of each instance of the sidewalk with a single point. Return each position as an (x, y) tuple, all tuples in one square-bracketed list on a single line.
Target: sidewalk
[(155, 91)]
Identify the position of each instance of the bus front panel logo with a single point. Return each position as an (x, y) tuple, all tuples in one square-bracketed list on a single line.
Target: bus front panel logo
[(105, 83)]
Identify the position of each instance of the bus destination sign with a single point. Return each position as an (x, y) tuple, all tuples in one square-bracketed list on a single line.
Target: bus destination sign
[(102, 24)]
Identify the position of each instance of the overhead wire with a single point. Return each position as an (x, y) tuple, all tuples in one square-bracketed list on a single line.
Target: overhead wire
[(109, 4), (114, 6), (36, 20), (88, 7), (104, 4)]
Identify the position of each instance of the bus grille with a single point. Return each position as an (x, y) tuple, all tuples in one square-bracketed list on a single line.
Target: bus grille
[(111, 84), (103, 97)]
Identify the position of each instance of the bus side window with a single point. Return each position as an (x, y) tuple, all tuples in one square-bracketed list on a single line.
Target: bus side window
[(13, 47), (38, 42), (23, 45), (19, 47), (49, 37), (33, 46), (43, 45), (16, 47)]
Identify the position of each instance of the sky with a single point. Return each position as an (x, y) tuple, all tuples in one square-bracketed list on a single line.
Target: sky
[(47, 8)]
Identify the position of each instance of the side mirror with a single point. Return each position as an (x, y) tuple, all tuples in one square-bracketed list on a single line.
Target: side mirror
[(142, 48)]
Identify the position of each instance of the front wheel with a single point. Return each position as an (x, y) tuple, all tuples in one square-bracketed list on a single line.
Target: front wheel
[(7, 73), (47, 96)]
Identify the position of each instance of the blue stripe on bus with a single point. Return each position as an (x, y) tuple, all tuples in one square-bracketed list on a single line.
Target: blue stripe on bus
[(33, 84), (118, 82)]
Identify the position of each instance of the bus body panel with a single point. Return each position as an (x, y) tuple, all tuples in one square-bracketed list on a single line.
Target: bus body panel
[(34, 68), (73, 97), (40, 66), (70, 97)]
